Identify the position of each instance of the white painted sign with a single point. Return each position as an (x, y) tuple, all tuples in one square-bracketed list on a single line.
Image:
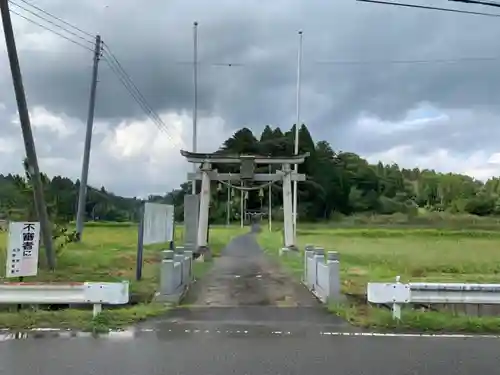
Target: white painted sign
[(158, 223), (22, 249)]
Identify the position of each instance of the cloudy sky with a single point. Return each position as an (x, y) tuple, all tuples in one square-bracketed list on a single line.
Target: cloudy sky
[(356, 93)]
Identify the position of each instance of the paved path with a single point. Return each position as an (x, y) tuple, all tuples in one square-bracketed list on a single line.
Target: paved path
[(248, 318)]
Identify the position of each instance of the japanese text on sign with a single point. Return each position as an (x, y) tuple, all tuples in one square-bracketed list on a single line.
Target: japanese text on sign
[(23, 246)]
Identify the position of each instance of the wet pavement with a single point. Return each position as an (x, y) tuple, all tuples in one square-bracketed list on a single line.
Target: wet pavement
[(247, 317)]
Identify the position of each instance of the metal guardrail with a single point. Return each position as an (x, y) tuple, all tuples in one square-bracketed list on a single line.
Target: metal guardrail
[(398, 294), (91, 293)]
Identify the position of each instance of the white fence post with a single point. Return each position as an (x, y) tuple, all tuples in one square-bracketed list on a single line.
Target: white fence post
[(396, 307)]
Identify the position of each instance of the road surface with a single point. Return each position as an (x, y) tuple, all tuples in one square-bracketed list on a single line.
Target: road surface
[(247, 318)]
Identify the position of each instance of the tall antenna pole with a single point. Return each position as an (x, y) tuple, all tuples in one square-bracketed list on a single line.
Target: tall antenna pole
[(297, 125), (82, 195), (270, 208), (195, 100), (29, 143), (241, 206), (228, 207)]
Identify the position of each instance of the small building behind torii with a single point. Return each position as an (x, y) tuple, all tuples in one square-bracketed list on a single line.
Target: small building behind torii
[(196, 207)]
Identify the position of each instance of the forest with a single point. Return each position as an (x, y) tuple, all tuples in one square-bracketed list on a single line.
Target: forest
[(338, 183)]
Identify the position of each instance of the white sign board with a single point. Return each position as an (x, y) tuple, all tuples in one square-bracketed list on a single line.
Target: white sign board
[(158, 223), (22, 249)]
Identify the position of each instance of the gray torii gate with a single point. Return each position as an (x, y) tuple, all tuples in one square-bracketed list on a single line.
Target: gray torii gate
[(247, 173)]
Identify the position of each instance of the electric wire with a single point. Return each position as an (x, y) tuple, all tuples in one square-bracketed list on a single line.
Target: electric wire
[(91, 42), (52, 31), (430, 8), (57, 18)]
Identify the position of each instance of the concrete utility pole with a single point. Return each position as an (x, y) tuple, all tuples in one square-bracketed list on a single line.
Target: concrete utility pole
[(29, 144), (195, 99), (82, 195), (297, 125)]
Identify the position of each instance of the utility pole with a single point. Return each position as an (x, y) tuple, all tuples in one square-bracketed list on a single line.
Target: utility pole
[(270, 208), (82, 195), (195, 99), (29, 143), (297, 124)]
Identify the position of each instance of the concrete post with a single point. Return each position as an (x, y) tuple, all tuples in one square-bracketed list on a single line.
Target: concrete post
[(179, 258), (334, 292), (306, 255), (189, 254), (191, 216), (167, 277), (167, 254), (319, 251), (287, 207)]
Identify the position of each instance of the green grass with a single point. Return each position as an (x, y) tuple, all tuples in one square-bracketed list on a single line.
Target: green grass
[(380, 255), (107, 253)]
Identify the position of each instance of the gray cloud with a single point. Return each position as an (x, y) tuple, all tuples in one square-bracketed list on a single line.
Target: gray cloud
[(154, 43)]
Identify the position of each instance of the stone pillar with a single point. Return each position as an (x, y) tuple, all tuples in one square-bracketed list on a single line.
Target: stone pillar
[(287, 207), (191, 215), (203, 248)]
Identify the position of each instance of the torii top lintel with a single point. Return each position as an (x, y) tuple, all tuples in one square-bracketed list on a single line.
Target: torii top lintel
[(194, 157)]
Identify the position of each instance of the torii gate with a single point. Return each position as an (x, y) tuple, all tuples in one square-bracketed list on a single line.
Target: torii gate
[(247, 173)]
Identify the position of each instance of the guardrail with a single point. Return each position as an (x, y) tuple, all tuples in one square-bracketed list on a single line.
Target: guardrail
[(398, 294), (176, 274), (322, 276), (92, 293)]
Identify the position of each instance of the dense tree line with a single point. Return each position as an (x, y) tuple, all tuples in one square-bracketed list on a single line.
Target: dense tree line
[(61, 194), (338, 183), (344, 183)]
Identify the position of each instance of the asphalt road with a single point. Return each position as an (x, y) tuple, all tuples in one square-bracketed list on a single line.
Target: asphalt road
[(247, 317)]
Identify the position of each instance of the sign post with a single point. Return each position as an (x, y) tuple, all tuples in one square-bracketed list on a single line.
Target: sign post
[(23, 249)]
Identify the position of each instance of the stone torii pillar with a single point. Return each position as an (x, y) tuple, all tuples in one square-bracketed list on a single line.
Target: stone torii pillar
[(204, 211)]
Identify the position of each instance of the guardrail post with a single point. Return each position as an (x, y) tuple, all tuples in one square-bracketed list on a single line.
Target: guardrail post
[(96, 309), (396, 307), (334, 284)]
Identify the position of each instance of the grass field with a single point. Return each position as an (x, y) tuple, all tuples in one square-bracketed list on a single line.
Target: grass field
[(415, 255), (107, 253)]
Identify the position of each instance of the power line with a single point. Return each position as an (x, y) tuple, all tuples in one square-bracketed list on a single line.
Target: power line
[(429, 8), (486, 3), (357, 62), (409, 62), (53, 23), (132, 89), (132, 86), (52, 31), (57, 18)]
